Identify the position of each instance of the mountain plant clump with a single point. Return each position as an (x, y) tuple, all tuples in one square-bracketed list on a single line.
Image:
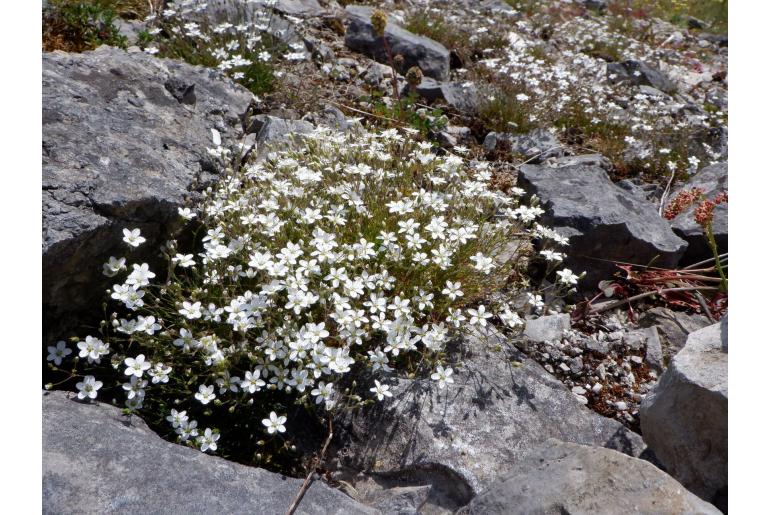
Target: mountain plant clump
[(345, 258), (242, 39)]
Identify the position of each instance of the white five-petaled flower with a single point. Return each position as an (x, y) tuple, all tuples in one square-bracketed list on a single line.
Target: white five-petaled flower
[(186, 213), (136, 366), (184, 260), (191, 310), (381, 390), (58, 353), (208, 440), (483, 264), (88, 387), (452, 290), (274, 423), (443, 376), (177, 418), (205, 394), (567, 277), (113, 266), (479, 316), (133, 237)]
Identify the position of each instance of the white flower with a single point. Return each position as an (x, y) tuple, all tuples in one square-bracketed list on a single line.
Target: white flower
[(511, 318), (567, 277), (205, 394), (177, 418), (88, 387), (479, 316), (140, 276), (184, 260), (58, 353), (208, 440), (550, 255), (186, 213), (452, 290), (483, 264), (136, 366), (133, 237), (443, 376), (113, 266), (536, 301), (381, 390), (191, 310), (274, 423)]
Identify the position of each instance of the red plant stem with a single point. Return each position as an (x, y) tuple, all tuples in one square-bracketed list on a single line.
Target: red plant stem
[(393, 78)]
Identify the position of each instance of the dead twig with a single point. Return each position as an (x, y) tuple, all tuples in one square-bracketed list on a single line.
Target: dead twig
[(306, 484)]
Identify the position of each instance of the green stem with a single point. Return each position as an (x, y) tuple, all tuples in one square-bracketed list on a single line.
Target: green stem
[(717, 262)]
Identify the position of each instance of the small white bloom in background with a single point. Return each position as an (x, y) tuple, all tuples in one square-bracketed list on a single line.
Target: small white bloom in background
[(135, 387), (511, 318), (58, 353), (184, 260), (205, 394), (134, 403), (93, 349), (550, 255), (479, 316), (536, 301), (177, 418), (187, 429), (191, 310), (136, 366), (323, 392), (452, 290), (140, 275), (186, 213), (113, 266), (151, 50), (483, 264), (443, 376), (381, 390), (133, 237), (159, 373), (274, 423), (208, 440), (88, 387), (567, 277)]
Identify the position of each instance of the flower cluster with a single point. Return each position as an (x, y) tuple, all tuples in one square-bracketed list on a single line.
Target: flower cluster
[(344, 253), (241, 38)]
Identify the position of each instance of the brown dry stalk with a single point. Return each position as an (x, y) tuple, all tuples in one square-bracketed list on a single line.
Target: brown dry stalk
[(306, 484)]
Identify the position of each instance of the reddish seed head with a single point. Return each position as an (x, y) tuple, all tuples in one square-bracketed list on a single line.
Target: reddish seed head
[(681, 202), (704, 213)]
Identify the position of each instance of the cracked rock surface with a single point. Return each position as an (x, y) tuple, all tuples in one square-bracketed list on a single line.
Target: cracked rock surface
[(125, 140)]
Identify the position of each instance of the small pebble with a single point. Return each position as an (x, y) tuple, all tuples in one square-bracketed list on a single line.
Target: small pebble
[(621, 406), (597, 388), (637, 359), (579, 390), (564, 368), (581, 399)]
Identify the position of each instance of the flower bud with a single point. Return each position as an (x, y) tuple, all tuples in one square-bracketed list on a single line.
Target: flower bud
[(379, 21), (414, 76)]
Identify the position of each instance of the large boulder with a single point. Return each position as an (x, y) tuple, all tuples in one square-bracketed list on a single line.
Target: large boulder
[(432, 57), (561, 477), (603, 222), (712, 180), (125, 139), (95, 460), (462, 437), (684, 419)]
